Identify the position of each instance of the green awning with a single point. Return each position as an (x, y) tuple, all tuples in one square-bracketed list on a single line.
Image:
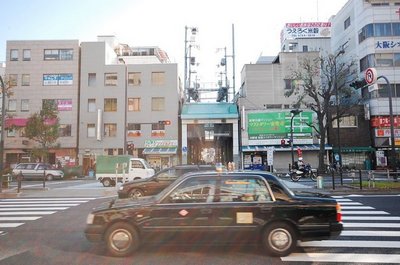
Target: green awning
[(354, 149)]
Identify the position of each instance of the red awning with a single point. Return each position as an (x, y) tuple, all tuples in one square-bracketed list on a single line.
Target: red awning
[(19, 122)]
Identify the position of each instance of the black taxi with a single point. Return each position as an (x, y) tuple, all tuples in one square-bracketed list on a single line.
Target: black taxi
[(207, 207)]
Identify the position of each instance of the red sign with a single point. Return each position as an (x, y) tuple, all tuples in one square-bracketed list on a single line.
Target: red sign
[(384, 121), (371, 76)]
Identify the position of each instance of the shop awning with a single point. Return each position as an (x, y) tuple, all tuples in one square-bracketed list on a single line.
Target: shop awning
[(18, 122), (160, 151), (278, 148)]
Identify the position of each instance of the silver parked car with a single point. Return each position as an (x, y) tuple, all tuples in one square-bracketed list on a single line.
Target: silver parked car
[(37, 171)]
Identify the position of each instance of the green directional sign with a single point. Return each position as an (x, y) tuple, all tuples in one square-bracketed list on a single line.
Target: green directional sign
[(276, 125)]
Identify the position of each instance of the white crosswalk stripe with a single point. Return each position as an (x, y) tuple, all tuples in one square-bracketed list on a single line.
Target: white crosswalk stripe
[(365, 228), (16, 212)]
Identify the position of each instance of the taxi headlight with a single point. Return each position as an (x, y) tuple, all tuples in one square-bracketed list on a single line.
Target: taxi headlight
[(90, 219)]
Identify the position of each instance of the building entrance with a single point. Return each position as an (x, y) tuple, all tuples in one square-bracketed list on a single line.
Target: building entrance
[(210, 143)]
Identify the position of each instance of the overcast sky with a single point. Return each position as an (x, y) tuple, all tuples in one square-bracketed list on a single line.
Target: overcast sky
[(162, 23)]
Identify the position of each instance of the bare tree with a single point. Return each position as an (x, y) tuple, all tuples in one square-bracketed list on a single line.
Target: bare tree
[(323, 82)]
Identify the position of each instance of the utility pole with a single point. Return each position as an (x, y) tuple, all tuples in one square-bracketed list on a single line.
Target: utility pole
[(3, 114)]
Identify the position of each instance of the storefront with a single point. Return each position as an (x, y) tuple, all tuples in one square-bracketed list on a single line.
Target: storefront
[(161, 153)]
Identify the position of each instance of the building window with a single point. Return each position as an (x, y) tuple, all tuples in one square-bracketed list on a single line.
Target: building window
[(134, 130), (157, 104), (157, 127), (305, 48), (49, 102), (133, 104), (91, 105), (92, 79), (25, 80), (289, 84), (13, 80), (347, 23), (134, 79), (26, 55), (383, 29), (367, 62), (397, 59), (24, 105), (64, 130), (110, 79), (11, 132), (346, 122), (22, 132), (13, 55), (58, 54), (384, 59), (91, 130), (12, 105), (110, 104), (158, 78), (110, 129)]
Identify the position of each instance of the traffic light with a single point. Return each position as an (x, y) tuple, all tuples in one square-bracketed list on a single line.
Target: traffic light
[(357, 84), (166, 122), (130, 146)]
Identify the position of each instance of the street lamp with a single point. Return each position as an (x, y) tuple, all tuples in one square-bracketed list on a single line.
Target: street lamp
[(337, 113), (294, 113), (392, 159)]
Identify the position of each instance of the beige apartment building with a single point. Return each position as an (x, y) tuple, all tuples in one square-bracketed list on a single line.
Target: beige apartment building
[(38, 71), (111, 99), (129, 103)]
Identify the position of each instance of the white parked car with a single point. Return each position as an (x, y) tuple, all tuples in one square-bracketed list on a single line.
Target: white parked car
[(37, 171)]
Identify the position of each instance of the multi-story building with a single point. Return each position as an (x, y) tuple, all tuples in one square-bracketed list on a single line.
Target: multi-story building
[(129, 103), (39, 71), (370, 30)]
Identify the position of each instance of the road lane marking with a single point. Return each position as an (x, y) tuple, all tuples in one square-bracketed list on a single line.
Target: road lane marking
[(33, 208), (41, 205), (339, 257), (27, 213), (370, 233), (350, 203), (365, 212), (376, 225), (33, 202), (9, 225), (372, 218), (48, 199), (357, 207), (23, 218), (352, 244)]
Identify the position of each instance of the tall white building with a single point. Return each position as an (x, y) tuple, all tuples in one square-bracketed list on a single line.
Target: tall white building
[(370, 30)]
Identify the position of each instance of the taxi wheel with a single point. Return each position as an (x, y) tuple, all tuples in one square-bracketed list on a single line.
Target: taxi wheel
[(49, 177), (136, 193), (279, 239), (122, 239)]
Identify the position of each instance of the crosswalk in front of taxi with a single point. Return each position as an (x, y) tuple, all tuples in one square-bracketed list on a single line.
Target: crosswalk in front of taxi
[(16, 212), (367, 233)]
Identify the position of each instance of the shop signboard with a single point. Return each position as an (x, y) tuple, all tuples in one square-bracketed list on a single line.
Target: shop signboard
[(271, 127)]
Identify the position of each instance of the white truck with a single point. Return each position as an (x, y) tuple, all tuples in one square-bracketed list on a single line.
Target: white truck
[(121, 168)]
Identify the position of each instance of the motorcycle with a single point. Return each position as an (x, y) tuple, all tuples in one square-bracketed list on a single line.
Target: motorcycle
[(306, 172)]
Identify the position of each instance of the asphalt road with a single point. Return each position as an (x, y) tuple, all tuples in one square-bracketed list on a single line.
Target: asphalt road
[(371, 235)]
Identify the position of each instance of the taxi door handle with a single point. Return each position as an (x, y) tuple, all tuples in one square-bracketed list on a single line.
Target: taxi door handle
[(206, 211), (265, 210)]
